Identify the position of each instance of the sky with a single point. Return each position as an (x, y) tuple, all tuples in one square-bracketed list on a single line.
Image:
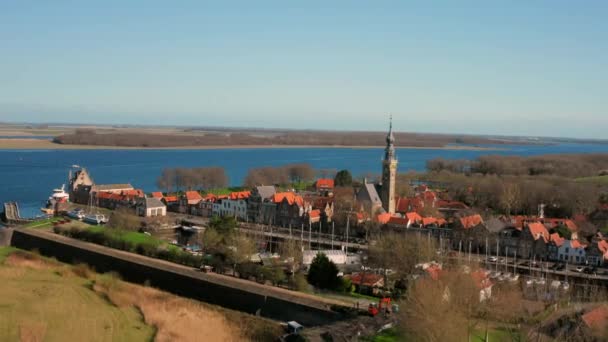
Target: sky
[(525, 67)]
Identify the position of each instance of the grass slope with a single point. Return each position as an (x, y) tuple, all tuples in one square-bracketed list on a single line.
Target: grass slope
[(42, 299), (39, 304)]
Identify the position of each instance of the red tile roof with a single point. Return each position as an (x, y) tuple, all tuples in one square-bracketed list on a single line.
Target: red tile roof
[(538, 230), (471, 221), (240, 195), (324, 183), (577, 244), (428, 220), (383, 218), (291, 198), (170, 199), (602, 245), (366, 279), (403, 205), (157, 194), (597, 318), (557, 240), (315, 213)]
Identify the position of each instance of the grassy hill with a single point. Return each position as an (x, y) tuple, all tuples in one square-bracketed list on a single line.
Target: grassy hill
[(42, 299), (37, 304)]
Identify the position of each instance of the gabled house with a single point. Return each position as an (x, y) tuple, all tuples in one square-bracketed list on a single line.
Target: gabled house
[(290, 209), (367, 283), (470, 233), (260, 208), (324, 186), (188, 202), (597, 252), (533, 241), (555, 242), (150, 207), (573, 252)]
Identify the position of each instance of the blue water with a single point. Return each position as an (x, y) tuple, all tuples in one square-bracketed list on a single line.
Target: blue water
[(28, 176)]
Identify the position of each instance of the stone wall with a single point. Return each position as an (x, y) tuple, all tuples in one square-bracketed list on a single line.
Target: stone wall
[(229, 292)]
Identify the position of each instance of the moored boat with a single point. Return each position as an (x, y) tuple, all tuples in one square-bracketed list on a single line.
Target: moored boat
[(95, 219), (77, 214)]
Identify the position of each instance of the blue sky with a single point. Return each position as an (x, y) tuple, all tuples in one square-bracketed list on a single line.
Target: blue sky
[(482, 67)]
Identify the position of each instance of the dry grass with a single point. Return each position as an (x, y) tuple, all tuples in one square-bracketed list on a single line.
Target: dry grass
[(175, 318), (30, 331)]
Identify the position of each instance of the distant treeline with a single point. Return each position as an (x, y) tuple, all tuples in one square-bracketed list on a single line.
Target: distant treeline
[(288, 138), (280, 175), (200, 178), (563, 165), (208, 178)]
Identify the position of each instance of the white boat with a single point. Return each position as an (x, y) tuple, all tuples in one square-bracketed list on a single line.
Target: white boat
[(59, 194), (77, 214), (95, 219)]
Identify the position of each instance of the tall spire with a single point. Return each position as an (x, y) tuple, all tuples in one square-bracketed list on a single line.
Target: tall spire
[(390, 141)]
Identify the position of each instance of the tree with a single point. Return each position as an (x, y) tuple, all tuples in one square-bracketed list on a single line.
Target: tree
[(124, 218), (343, 178), (211, 241), (323, 273), (166, 180), (240, 250), (291, 250), (223, 225), (441, 310), (300, 172), (401, 252)]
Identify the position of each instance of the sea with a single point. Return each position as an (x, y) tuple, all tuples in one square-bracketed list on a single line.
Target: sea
[(29, 176)]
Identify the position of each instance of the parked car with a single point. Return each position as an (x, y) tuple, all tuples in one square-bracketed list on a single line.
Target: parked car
[(579, 269), (493, 259), (560, 267), (590, 270)]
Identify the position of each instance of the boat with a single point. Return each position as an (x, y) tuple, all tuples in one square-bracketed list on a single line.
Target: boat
[(95, 219), (77, 214), (59, 195), (515, 277)]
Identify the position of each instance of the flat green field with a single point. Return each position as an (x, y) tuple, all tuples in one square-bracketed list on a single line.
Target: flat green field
[(41, 304), (602, 180)]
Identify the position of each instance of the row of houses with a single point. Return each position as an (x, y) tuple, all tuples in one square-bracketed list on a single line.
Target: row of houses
[(531, 237), (261, 204)]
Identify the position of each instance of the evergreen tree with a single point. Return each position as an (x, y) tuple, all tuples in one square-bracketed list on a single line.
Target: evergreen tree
[(323, 273), (343, 178)]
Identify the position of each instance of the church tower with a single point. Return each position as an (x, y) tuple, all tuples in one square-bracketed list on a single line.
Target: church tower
[(389, 172)]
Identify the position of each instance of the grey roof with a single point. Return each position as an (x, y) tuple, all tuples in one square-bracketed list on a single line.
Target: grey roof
[(152, 202), (266, 191), (495, 225), (372, 195), (106, 187)]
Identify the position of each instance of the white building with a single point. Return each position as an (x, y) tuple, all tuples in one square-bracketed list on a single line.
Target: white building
[(338, 257), (572, 251), (149, 207)]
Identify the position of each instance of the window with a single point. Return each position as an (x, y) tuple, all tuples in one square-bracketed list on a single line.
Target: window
[(567, 249)]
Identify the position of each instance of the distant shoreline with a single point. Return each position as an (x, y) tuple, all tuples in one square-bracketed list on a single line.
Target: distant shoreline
[(37, 144)]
